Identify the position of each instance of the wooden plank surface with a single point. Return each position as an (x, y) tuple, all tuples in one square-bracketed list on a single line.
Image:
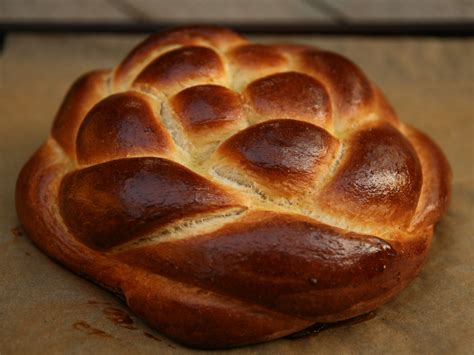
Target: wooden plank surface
[(231, 11), (403, 10), (429, 81), (236, 11), (180, 11), (60, 10)]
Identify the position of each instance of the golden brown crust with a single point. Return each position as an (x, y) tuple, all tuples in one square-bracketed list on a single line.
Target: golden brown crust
[(256, 56), (168, 305), (110, 203), (290, 95), (350, 89), (436, 189), (204, 107), (178, 67), (249, 62), (284, 154), (234, 193), (122, 125), (213, 36), (379, 179), (83, 94), (265, 259)]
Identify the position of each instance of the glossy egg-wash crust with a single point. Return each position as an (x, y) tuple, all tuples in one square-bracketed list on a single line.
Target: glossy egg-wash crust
[(279, 261), (281, 153), (181, 65), (203, 107), (290, 95), (120, 126), (110, 203), (233, 193), (214, 36), (379, 179), (81, 97), (257, 56), (350, 89)]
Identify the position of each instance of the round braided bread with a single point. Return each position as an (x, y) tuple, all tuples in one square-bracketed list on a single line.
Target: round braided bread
[(232, 193)]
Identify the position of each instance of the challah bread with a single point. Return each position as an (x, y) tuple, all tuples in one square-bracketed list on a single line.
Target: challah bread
[(233, 193)]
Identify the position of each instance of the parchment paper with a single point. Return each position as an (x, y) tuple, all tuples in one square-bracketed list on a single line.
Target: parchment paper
[(45, 309)]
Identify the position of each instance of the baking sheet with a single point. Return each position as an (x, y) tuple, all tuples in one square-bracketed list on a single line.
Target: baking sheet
[(46, 309)]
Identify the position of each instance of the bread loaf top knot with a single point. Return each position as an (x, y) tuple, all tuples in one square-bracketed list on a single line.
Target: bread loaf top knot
[(273, 175)]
